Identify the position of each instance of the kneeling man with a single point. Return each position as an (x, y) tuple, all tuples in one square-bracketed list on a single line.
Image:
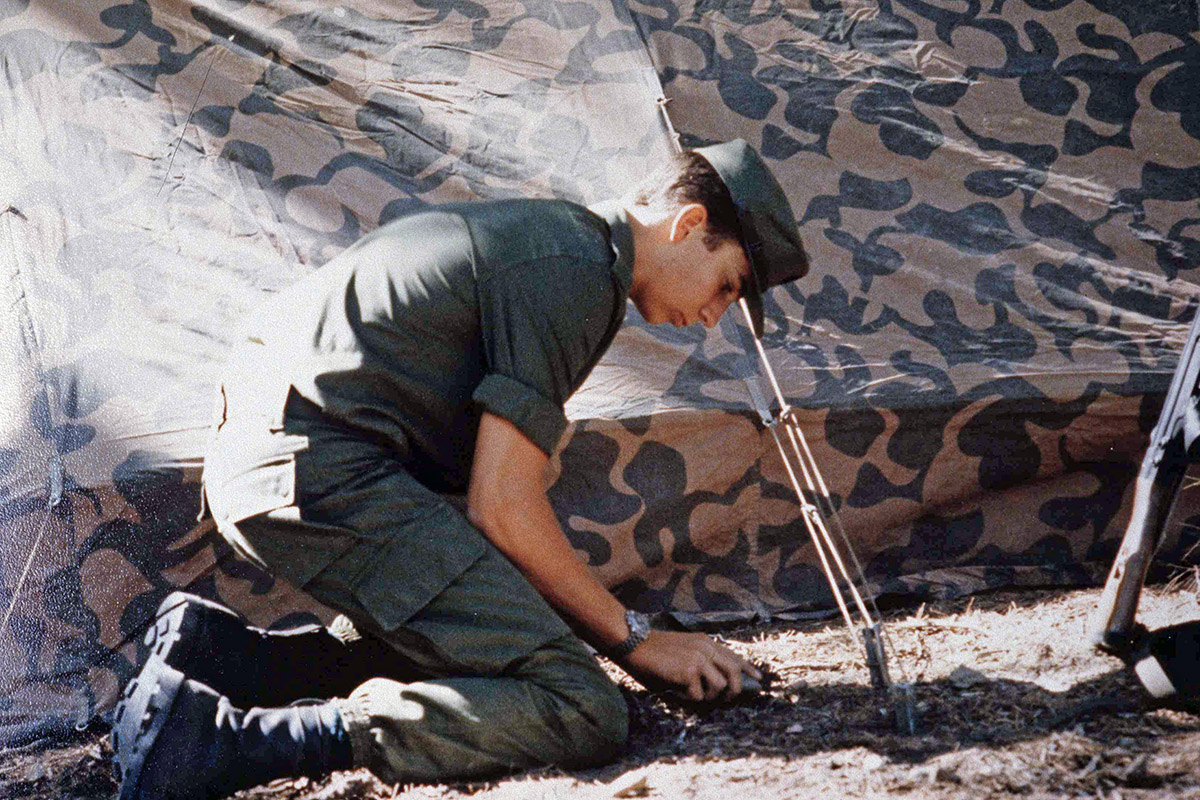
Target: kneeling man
[(434, 357)]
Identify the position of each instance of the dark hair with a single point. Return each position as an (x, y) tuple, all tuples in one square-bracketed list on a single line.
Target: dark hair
[(689, 178)]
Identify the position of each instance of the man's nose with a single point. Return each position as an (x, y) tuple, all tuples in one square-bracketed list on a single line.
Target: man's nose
[(712, 312)]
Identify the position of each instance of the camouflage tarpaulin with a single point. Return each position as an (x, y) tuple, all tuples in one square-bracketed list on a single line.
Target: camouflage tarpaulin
[(1001, 202)]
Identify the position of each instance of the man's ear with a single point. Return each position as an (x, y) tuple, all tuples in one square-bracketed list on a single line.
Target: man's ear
[(685, 219)]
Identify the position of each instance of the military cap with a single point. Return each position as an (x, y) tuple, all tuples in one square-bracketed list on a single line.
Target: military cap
[(769, 231)]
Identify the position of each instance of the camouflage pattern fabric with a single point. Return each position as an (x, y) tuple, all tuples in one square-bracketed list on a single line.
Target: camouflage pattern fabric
[(1001, 202)]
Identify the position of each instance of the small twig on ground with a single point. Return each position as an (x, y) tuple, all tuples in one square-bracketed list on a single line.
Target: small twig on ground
[(1088, 706)]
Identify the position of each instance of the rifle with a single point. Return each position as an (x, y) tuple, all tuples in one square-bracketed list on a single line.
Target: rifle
[(1172, 447)]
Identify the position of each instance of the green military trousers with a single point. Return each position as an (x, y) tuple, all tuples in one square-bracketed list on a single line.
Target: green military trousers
[(504, 683)]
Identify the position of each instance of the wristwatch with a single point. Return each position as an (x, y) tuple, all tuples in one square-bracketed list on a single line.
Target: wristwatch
[(639, 629)]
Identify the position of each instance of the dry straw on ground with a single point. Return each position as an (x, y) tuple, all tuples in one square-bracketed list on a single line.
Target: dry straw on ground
[(1011, 702)]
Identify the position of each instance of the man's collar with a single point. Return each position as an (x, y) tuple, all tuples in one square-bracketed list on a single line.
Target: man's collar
[(621, 237)]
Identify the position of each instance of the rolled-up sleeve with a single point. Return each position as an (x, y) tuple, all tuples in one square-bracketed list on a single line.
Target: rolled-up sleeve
[(545, 324), (536, 416)]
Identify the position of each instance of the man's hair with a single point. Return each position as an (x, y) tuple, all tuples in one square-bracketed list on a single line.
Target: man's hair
[(688, 178)]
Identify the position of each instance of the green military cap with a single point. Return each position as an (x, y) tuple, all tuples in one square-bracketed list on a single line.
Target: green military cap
[(769, 231)]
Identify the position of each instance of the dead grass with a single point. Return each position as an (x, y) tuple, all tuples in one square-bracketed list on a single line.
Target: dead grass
[(1011, 701)]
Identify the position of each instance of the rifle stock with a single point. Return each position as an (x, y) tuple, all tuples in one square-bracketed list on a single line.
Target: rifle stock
[(1113, 627)]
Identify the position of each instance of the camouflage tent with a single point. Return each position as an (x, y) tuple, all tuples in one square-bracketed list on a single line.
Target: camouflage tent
[(1001, 201)]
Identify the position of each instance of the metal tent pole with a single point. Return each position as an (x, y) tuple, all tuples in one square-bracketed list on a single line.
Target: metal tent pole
[(896, 695)]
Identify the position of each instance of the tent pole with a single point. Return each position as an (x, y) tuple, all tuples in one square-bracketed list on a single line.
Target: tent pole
[(898, 696)]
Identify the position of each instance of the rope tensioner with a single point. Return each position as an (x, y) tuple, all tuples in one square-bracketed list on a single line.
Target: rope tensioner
[(817, 511)]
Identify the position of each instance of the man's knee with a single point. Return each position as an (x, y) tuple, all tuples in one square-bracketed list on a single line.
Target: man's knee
[(597, 718), (607, 714)]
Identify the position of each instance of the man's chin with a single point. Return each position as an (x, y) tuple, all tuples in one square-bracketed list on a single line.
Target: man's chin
[(659, 317), (651, 316)]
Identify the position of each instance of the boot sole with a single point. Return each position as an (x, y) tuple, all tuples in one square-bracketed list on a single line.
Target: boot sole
[(146, 702), (167, 631), (137, 722), (179, 623)]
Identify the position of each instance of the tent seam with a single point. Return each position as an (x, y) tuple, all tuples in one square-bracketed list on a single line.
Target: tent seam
[(20, 300), (752, 378), (28, 334)]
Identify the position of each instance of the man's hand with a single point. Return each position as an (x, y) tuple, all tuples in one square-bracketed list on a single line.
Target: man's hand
[(507, 501), (690, 664)]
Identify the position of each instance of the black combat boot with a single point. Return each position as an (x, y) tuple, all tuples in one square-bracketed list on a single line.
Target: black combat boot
[(1167, 662), (212, 644), (176, 739)]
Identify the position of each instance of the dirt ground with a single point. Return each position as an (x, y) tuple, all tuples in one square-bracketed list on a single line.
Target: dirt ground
[(1009, 698)]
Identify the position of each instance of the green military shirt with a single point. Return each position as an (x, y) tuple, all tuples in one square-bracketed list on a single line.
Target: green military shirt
[(414, 331)]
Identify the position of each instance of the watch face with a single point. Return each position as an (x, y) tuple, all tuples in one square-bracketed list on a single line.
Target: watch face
[(639, 629)]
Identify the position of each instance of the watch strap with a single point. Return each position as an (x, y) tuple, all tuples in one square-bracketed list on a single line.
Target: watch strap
[(639, 630)]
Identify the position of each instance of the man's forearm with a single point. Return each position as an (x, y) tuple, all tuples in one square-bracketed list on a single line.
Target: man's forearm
[(507, 501), (527, 532)]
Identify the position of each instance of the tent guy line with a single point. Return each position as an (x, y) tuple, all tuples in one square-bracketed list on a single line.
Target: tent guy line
[(56, 493), (188, 121)]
